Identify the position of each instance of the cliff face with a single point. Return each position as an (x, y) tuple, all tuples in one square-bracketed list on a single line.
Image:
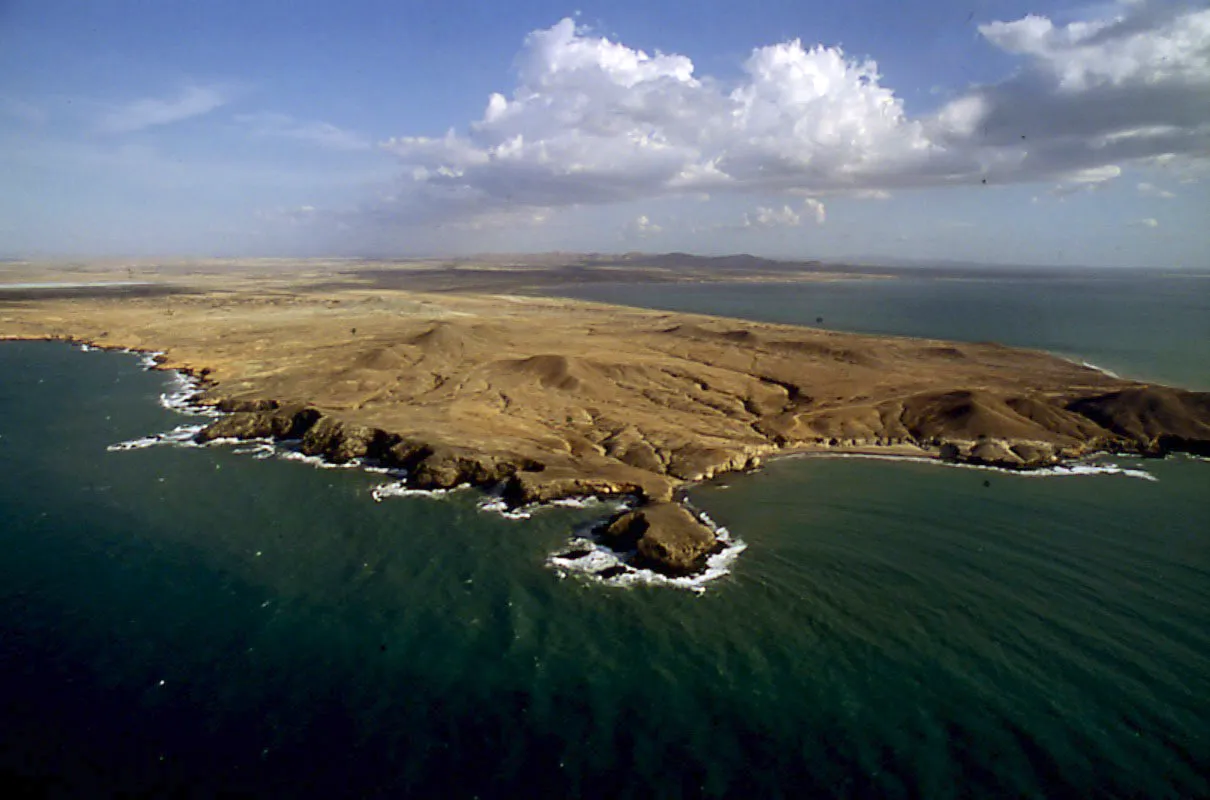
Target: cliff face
[(428, 466), (556, 398), (959, 426)]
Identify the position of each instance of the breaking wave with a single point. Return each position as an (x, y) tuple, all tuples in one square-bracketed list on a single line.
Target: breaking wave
[(1057, 471), (181, 435), (400, 489), (493, 502), (585, 556)]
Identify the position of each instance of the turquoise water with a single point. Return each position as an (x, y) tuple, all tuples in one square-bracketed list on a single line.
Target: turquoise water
[(191, 619)]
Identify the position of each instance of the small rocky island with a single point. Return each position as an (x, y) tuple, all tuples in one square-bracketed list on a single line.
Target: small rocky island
[(549, 398)]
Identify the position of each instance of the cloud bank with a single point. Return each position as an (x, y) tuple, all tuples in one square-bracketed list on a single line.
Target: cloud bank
[(592, 121)]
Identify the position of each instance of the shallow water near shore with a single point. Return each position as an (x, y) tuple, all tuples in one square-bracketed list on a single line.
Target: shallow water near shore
[(196, 619)]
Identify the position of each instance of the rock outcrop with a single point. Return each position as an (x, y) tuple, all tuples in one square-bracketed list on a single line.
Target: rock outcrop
[(531, 486), (341, 442), (429, 466), (445, 468), (664, 536), (290, 422)]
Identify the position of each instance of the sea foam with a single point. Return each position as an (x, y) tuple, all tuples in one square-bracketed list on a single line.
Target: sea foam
[(400, 489), (180, 435), (1101, 370), (1087, 364), (182, 395), (585, 556), (1057, 471), (493, 502)]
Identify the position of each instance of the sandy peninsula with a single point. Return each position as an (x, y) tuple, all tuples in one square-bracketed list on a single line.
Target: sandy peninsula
[(553, 398)]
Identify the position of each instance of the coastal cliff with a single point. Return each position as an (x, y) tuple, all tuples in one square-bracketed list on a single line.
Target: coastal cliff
[(959, 427), (546, 399)]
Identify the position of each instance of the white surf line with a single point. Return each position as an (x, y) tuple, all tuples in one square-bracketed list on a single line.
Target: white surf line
[(181, 435), (493, 502), (1081, 362), (182, 397), (183, 391), (1102, 370), (586, 557), (259, 449), (400, 489), (1096, 368), (1056, 471)]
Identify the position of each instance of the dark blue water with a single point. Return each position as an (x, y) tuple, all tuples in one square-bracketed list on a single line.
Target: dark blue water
[(195, 621)]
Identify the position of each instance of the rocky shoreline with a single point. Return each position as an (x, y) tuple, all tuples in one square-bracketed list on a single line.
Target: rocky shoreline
[(662, 534), (665, 537), (541, 401)]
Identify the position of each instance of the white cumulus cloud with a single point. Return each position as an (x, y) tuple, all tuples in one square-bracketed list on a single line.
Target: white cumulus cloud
[(784, 217), (593, 121), (642, 227), (1132, 86), (1155, 45), (766, 218)]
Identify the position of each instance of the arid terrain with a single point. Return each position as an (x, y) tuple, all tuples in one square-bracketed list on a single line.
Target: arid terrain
[(554, 397)]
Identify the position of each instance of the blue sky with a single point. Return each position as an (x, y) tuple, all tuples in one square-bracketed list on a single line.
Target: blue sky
[(984, 130)]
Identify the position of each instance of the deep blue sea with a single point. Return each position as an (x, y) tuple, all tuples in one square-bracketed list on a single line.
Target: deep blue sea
[(197, 621)]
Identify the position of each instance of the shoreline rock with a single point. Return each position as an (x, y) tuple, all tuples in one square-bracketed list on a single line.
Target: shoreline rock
[(665, 537), (661, 532), (1014, 428)]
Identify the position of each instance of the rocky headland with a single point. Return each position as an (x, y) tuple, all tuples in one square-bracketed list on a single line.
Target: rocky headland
[(551, 398)]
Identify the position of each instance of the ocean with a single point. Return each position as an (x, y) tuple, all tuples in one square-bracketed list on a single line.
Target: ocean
[(186, 620)]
